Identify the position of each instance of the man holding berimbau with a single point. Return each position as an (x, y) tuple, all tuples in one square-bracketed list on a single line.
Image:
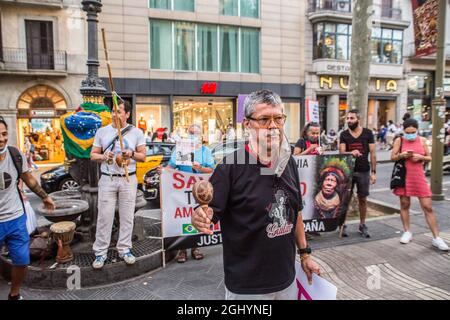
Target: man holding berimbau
[(260, 232), (118, 183)]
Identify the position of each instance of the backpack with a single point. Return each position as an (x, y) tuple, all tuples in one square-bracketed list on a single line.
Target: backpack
[(17, 158)]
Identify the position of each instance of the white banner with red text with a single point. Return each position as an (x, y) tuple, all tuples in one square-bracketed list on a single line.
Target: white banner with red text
[(177, 206)]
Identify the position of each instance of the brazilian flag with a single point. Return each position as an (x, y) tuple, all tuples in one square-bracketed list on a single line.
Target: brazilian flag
[(189, 229), (79, 128)]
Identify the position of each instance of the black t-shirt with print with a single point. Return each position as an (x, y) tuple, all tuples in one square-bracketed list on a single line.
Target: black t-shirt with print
[(362, 144), (258, 214)]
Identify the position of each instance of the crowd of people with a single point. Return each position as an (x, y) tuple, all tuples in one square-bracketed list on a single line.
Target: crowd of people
[(256, 198)]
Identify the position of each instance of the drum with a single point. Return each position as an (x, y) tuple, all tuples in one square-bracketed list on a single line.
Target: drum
[(62, 233)]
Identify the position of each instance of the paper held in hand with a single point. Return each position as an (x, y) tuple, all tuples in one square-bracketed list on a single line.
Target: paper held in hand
[(184, 151), (320, 289)]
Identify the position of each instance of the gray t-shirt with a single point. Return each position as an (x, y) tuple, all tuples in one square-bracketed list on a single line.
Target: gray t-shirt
[(132, 139), (10, 202)]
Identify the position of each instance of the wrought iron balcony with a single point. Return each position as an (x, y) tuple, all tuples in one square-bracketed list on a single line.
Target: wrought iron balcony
[(345, 6), (19, 60)]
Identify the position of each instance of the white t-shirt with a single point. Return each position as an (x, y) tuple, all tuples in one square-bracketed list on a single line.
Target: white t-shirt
[(10, 202), (131, 140)]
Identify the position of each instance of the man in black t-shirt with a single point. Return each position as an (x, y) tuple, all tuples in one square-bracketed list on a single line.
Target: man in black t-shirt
[(258, 201), (360, 142)]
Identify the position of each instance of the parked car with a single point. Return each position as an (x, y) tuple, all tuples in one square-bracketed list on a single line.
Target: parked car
[(57, 179)]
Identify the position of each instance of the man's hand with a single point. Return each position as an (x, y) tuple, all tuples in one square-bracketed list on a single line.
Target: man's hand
[(313, 147), (310, 267), (159, 169), (126, 154), (48, 204), (201, 220), (196, 166), (356, 153), (108, 156), (373, 178)]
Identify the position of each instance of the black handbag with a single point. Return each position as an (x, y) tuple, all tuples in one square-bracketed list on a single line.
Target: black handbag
[(398, 177)]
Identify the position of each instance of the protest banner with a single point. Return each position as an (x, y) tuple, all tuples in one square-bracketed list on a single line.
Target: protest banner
[(177, 205)]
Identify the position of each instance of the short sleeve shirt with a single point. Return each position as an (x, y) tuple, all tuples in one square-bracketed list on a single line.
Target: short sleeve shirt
[(131, 140)]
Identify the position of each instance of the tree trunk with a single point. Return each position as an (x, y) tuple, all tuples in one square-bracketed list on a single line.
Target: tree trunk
[(358, 92)]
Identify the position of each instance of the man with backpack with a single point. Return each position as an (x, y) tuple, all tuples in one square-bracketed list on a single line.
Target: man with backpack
[(13, 228)]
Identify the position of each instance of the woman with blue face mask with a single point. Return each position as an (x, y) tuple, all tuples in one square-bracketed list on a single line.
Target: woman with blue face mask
[(414, 150)]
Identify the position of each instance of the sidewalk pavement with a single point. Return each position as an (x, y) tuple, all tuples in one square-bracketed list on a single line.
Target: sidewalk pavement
[(413, 271)]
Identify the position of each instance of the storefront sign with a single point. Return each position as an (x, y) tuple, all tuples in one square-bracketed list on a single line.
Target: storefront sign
[(338, 67), (325, 183), (209, 88), (42, 113), (328, 82), (177, 203)]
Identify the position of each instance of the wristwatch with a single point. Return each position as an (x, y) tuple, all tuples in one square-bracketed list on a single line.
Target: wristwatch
[(306, 250), (132, 155)]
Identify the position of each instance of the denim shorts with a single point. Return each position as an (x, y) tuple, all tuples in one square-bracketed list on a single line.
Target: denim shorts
[(14, 234), (362, 181)]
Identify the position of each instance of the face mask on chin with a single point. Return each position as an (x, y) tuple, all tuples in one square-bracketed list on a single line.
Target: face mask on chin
[(3, 151)]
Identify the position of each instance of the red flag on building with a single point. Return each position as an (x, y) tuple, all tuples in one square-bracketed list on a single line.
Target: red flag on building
[(425, 16)]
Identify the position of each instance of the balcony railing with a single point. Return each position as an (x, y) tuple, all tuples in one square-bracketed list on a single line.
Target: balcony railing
[(330, 5), (44, 3), (386, 12), (18, 59), (345, 6)]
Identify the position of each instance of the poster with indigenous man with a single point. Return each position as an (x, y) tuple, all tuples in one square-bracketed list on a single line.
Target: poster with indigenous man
[(325, 183)]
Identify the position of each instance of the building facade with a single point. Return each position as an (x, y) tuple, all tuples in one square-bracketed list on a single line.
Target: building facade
[(182, 62), (399, 82), (42, 63)]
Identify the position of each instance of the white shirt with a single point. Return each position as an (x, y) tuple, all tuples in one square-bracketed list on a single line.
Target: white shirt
[(131, 140)]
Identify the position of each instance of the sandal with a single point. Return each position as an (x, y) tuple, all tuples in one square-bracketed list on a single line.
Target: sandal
[(181, 256), (196, 254)]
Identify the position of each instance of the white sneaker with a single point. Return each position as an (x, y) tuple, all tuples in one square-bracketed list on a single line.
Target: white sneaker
[(129, 258), (440, 244), (406, 237), (99, 262)]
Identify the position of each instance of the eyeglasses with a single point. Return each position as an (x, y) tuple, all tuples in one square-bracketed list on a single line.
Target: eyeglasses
[(266, 121)]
